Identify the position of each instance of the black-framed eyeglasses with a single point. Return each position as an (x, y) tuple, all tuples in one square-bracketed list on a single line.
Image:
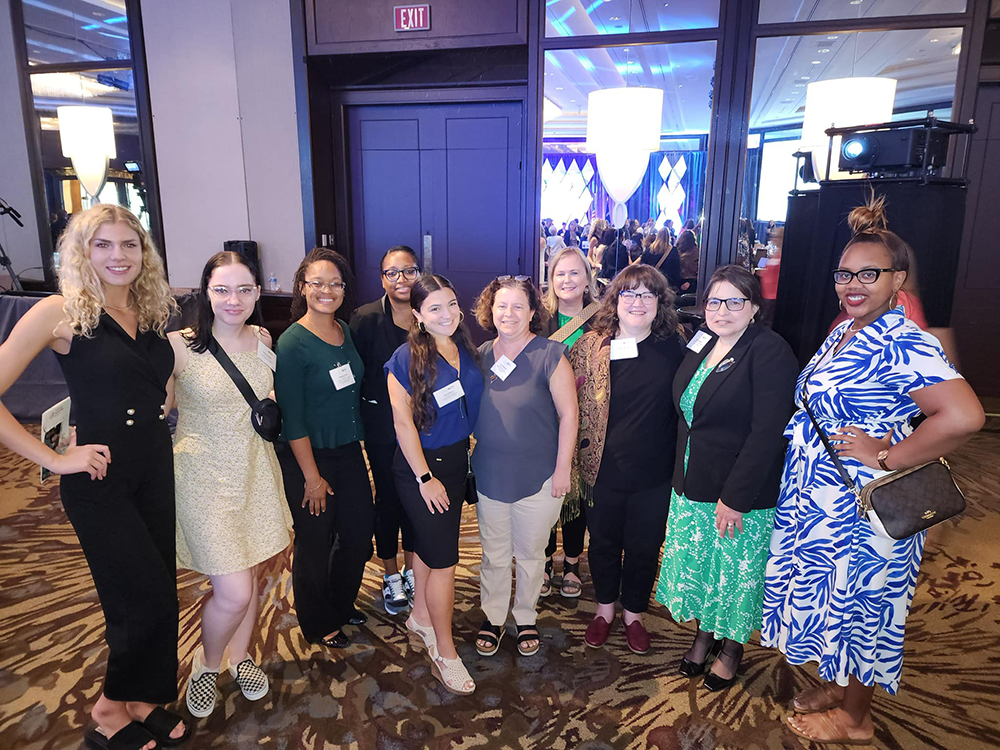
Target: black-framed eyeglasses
[(508, 277), (631, 295), (865, 275), (733, 304), (410, 273)]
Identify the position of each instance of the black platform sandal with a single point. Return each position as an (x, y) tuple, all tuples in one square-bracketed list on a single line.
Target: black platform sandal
[(547, 580), (527, 633), (132, 736), (571, 589), (160, 723), (491, 634)]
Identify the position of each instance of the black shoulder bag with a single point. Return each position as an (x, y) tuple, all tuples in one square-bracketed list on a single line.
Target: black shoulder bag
[(904, 502), (265, 414)]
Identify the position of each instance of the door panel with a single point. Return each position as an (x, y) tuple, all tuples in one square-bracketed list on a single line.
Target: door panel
[(448, 172)]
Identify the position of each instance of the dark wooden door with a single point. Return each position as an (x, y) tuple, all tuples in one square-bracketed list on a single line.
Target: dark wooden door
[(443, 179)]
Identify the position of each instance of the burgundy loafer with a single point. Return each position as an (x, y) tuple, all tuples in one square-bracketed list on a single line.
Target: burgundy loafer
[(637, 638), (597, 632)]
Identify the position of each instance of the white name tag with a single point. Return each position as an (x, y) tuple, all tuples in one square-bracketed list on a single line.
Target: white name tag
[(624, 349), (266, 356), (503, 367), (697, 343), (449, 393), (342, 376)]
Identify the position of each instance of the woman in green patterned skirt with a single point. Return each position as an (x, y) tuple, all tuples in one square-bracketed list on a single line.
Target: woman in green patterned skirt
[(734, 392)]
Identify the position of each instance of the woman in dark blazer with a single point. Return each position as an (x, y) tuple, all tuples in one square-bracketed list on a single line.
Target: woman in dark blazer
[(734, 391)]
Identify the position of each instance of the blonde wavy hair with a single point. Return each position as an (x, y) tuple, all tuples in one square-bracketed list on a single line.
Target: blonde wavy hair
[(81, 287), (551, 301)]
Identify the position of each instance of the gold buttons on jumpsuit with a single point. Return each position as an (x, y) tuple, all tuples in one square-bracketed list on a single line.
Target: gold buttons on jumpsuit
[(130, 412), (129, 422)]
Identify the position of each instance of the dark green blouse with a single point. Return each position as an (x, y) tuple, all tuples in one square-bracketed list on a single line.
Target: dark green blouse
[(311, 406)]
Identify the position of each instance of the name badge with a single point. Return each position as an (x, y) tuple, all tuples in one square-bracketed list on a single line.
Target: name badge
[(449, 393), (266, 356), (624, 349), (342, 376), (503, 367), (697, 343)]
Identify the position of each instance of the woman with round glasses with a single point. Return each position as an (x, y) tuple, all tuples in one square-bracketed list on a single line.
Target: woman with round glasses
[(318, 386), (525, 437), (628, 428), (837, 592), (734, 394), (379, 329)]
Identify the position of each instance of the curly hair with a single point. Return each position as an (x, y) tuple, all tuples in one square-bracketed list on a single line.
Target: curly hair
[(868, 224), (551, 301), (424, 352), (81, 287), (482, 308), (316, 255), (605, 321)]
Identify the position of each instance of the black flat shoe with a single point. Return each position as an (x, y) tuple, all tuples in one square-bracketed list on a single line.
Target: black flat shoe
[(338, 641), (713, 682), (693, 669), (358, 618)]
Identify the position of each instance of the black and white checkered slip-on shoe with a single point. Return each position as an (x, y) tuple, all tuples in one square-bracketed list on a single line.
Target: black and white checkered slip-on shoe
[(202, 694), (251, 679)]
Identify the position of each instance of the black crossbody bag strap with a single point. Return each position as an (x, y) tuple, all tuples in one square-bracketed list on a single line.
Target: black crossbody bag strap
[(233, 372)]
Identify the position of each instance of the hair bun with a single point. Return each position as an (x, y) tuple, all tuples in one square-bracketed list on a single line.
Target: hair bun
[(869, 217)]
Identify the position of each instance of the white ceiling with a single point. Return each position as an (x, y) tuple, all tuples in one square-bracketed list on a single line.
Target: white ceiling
[(922, 61)]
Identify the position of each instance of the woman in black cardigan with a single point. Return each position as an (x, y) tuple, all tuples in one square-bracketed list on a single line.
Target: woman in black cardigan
[(734, 390)]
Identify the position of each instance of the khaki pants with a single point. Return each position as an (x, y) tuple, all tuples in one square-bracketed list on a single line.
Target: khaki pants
[(519, 530)]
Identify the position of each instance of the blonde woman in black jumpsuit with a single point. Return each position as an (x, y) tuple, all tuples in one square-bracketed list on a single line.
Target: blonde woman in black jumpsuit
[(117, 476)]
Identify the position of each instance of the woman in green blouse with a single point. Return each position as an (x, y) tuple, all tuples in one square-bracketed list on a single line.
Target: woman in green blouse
[(318, 386)]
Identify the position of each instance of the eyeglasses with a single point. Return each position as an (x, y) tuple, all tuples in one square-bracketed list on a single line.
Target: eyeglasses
[(733, 304), (865, 275), (508, 277), (631, 295), (243, 292), (391, 274), (319, 286)]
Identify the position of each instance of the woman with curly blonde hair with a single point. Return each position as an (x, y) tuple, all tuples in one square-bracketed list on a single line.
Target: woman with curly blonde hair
[(117, 483)]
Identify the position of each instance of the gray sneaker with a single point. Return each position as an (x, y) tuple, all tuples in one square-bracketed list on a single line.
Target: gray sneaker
[(409, 585), (393, 594)]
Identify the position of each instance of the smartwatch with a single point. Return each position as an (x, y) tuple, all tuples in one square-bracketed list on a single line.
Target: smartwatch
[(881, 456), (424, 478)]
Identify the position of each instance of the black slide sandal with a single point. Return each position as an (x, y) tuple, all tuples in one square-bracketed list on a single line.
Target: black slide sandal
[(161, 722), (527, 633), (133, 736), (492, 634)]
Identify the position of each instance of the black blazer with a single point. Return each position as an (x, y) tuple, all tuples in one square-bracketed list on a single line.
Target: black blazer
[(376, 337), (737, 447)]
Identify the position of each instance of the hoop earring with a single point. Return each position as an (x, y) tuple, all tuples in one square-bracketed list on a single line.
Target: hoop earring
[(422, 327), (894, 300), (841, 304), (461, 317)]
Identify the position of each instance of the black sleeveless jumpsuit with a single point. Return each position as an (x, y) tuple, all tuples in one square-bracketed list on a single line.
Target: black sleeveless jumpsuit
[(125, 522)]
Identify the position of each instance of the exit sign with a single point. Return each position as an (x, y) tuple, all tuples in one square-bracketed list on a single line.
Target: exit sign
[(413, 17)]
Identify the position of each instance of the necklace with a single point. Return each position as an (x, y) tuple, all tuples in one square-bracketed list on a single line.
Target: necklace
[(131, 301), (453, 362)]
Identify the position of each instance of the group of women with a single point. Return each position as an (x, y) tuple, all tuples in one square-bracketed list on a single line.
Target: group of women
[(599, 414)]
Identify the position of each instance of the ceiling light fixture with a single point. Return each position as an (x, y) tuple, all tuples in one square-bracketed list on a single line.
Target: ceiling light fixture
[(87, 136)]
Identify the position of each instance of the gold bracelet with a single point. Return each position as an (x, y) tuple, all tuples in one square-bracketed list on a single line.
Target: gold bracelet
[(306, 485)]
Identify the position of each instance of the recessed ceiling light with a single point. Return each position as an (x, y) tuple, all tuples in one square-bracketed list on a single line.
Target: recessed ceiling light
[(816, 62), (615, 18), (803, 78), (626, 49), (824, 50), (799, 85), (680, 85), (559, 88), (856, 2), (910, 59), (789, 101), (832, 37), (933, 40)]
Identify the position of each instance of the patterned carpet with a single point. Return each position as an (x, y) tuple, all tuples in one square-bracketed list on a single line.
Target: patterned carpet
[(379, 694)]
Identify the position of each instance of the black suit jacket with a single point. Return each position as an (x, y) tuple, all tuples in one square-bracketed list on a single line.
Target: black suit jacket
[(376, 337), (737, 447)]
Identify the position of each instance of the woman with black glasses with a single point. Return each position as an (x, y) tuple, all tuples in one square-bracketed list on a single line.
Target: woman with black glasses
[(624, 367), (379, 329), (318, 385), (734, 392)]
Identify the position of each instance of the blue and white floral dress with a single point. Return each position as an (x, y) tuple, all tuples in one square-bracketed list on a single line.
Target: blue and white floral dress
[(836, 593)]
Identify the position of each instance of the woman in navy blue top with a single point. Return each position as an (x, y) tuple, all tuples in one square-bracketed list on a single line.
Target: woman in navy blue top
[(435, 387)]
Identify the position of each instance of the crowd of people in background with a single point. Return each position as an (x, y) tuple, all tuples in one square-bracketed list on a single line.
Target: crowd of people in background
[(623, 426)]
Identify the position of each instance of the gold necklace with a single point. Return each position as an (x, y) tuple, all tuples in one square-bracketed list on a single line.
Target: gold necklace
[(131, 302)]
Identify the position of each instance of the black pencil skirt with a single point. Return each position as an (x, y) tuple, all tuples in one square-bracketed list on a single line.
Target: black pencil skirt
[(435, 534)]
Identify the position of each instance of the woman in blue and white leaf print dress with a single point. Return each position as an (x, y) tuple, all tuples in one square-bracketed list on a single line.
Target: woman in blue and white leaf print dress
[(836, 592)]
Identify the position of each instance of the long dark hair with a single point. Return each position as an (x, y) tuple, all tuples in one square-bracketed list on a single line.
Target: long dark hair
[(424, 352), (315, 255), (201, 328)]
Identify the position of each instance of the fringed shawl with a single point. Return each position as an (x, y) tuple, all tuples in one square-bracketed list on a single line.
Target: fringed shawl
[(591, 361)]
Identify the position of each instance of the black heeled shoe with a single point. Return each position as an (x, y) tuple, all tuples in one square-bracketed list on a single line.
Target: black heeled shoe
[(715, 683), (693, 669), (338, 641), (358, 618)]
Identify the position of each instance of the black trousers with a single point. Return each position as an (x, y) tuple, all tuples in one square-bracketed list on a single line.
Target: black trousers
[(126, 526), (573, 533), (626, 532), (390, 518), (331, 549)]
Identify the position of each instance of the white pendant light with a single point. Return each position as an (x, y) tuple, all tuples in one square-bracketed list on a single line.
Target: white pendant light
[(87, 136), (841, 103), (623, 128)]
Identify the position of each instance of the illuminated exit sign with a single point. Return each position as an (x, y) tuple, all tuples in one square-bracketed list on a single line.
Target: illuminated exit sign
[(413, 17)]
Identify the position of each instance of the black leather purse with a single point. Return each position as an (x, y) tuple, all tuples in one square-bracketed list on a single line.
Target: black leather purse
[(905, 502), (265, 414)]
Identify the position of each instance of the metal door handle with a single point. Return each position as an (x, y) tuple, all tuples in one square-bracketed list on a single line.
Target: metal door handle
[(428, 254)]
